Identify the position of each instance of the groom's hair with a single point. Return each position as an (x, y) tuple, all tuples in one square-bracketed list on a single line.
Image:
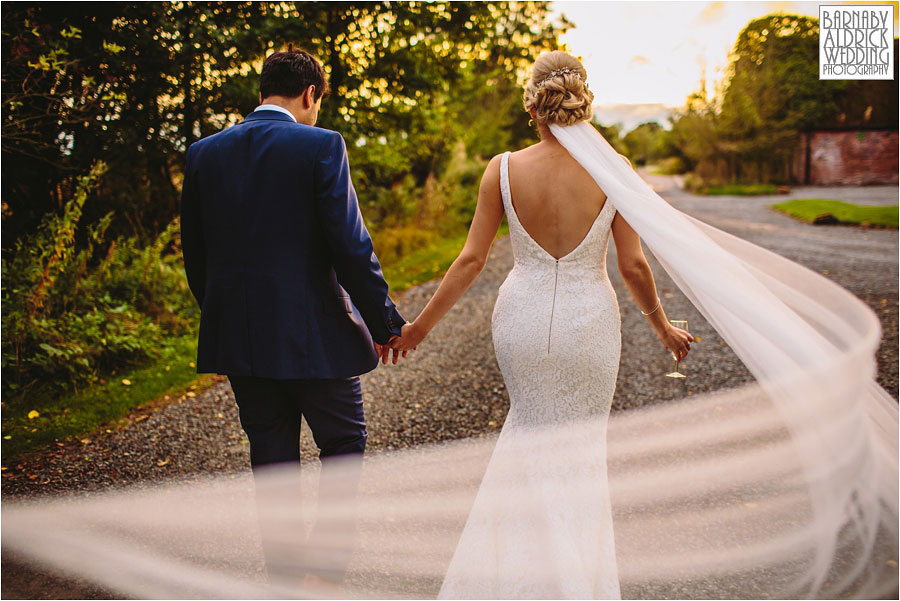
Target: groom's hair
[(290, 73)]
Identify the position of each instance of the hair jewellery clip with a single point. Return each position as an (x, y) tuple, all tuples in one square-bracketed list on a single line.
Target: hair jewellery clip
[(563, 71)]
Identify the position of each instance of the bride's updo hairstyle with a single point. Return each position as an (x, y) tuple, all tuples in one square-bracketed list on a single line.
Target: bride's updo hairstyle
[(557, 90)]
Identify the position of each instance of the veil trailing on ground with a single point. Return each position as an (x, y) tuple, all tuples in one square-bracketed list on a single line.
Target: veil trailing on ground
[(783, 488)]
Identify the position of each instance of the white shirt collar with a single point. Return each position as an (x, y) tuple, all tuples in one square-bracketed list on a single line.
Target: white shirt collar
[(275, 107)]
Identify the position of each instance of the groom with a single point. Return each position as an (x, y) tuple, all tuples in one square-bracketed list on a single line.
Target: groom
[(293, 303)]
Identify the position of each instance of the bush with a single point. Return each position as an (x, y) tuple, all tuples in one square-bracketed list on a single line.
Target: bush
[(441, 210), (392, 244), (76, 307), (670, 166), (693, 183)]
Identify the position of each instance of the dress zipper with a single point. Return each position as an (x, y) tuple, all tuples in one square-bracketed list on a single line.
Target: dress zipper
[(553, 306)]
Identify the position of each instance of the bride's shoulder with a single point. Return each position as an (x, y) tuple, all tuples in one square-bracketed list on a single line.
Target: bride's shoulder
[(491, 177), (492, 171), (493, 165), (529, 155)]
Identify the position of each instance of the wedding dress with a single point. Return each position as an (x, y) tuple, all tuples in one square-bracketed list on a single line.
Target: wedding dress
[(556, 332)]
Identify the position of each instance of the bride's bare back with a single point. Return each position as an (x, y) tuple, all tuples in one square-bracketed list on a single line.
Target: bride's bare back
[(555, 199)]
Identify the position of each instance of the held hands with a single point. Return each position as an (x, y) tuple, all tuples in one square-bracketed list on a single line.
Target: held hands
[(399, 346), (677, 341), (384, 351), (410, 336)]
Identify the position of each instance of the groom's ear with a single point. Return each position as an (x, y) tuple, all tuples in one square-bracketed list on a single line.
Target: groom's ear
[(309, 97)]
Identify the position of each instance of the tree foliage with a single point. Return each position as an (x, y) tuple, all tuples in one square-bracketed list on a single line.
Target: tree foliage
[(648, 142), (774, 89), (133, 84), (749, 131)]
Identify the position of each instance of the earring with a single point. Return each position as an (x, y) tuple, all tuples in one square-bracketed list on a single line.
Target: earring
[(530, 122)]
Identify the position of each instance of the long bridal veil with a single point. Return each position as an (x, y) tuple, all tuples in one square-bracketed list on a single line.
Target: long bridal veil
[(784, 488), (809, 343)]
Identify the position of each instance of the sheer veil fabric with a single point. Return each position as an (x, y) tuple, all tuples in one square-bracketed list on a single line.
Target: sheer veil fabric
[(784, 488), (809, 343)]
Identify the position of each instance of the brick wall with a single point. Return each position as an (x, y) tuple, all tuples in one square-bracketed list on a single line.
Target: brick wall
[(852, 157)]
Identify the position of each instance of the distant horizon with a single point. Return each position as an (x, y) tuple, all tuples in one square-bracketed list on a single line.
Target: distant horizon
[(631, 115)]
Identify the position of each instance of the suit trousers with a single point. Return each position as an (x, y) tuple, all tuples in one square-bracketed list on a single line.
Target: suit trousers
[(270, 412)]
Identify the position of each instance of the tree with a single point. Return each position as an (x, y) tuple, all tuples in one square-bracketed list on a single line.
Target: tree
[(648, 142), (151, 78), (749, 130), (695, 131), (774, 91)]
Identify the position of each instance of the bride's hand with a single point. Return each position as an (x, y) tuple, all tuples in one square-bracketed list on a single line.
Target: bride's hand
[(677, 341), (410, 336)]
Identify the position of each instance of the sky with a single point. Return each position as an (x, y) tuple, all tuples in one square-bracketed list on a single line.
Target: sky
[(654, 52)]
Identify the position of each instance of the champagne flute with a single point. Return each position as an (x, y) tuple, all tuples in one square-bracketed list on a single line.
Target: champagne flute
[(682, 324)]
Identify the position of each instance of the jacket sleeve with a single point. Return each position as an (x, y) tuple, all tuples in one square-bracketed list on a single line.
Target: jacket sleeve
[(357, 268), (192, 246)]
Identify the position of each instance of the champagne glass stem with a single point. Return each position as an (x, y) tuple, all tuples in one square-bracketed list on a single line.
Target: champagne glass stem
[(676, 372)]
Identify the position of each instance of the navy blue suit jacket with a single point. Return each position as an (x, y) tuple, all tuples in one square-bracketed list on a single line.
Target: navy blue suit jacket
[(277, 254)]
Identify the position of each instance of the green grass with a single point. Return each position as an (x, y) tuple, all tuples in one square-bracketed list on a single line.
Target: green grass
[(740, 190), (844, 212), (84, 412), (427, 263)]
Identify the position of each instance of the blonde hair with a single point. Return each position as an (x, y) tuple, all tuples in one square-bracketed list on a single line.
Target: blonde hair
[(561, 98)]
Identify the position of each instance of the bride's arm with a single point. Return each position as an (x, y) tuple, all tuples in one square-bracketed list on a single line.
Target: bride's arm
[(638, 276), (469, 263)]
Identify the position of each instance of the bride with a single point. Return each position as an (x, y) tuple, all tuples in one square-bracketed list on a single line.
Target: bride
[(541, 525), (556, 333)]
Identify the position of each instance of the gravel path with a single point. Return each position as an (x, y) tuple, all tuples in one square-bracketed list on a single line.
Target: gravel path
[(451, 387), (862, 260)]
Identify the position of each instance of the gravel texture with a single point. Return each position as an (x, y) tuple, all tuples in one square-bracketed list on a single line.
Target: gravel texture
[(862, 260), (451, 387)]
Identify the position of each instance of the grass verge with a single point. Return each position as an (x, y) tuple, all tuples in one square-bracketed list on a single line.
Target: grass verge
[(740, 190), (427, 263), (83, 412), (820, 210)]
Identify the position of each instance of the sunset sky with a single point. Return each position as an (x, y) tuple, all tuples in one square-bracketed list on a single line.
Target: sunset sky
[(654, 52)]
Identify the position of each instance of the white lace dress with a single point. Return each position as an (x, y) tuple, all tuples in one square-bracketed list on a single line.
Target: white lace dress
[(541, 524)]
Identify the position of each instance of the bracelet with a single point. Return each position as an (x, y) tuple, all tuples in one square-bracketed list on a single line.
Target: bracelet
[(654, 308)]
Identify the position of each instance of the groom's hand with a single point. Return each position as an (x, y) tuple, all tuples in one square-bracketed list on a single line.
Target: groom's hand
[(384, 350), (410, 336)]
